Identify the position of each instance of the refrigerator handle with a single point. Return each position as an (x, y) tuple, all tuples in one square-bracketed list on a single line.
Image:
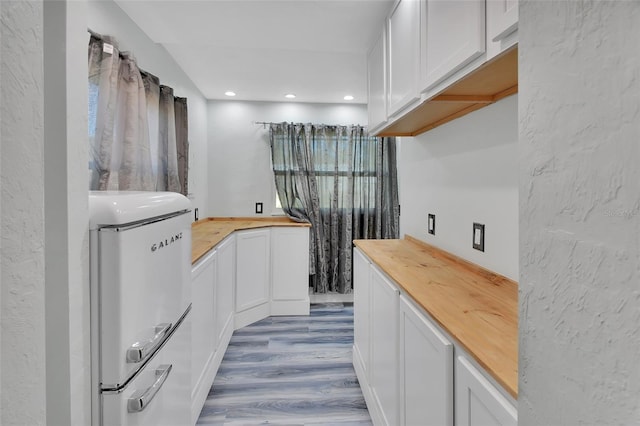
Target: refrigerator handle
[(141, 350), (140, 399)]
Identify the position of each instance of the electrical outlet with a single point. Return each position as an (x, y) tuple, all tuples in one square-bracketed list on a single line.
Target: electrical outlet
[(478, 236), (431, 224), (195, 213), (258, 208)]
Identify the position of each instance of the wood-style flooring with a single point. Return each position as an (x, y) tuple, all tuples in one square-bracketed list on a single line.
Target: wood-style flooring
[(293, 370)]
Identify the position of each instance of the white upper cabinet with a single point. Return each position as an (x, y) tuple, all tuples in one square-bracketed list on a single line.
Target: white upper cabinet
[(452, 35), (502, 26), (377, 82), (404, 54), (502, 19)]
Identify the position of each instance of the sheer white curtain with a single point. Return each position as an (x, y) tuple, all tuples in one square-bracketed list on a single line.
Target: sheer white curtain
[(135, 135)]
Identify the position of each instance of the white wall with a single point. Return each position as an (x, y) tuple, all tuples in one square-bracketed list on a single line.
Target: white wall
[(106, 17), (580, 213), (463, 172), (239, 163), (66, 213)]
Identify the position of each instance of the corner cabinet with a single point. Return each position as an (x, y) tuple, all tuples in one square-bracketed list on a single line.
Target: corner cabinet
[(252, 276), (405, 362)]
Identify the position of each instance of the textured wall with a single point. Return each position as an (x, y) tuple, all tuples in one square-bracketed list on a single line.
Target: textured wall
[(239, 163), (22, 228), (465, 172), (579, 113), (106, 17)]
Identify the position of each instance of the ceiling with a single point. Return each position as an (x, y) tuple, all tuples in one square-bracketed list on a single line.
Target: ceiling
[(265, 49)]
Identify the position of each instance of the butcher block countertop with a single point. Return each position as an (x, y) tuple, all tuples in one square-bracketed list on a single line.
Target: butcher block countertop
[(209, 232), (477, 307)]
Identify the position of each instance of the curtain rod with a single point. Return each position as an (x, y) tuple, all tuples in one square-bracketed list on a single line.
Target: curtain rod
[(264, 124)]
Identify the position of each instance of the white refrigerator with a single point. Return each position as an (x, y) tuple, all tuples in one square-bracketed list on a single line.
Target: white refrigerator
[(140, 250)]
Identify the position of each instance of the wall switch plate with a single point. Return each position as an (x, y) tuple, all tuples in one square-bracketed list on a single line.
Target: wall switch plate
[(431, 224), (478, 236), (258, 208), (195, 213)]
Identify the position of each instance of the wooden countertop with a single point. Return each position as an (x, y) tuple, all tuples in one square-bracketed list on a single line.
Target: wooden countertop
[(207, 233), (477, 307)]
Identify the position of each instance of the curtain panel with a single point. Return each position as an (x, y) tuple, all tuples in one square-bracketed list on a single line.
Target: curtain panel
[(136, 133), (343, 182)]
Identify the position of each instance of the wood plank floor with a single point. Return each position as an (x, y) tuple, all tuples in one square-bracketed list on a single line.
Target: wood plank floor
[(293, 370)]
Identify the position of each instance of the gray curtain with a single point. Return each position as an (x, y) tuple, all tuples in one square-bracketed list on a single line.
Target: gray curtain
[(119, 147), (137, 128), (343, 182), (182, 142)]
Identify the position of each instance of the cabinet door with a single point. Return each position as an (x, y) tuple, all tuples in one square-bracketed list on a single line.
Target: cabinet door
[(384, 346), (502, 18), (404, 53), (377, 82), (203, 326), (290, 263), (453, 35), (225, 284), (426, 370), (478, 402), (252, 269), (361, 310)]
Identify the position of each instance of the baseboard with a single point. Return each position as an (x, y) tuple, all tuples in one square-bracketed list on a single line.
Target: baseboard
[(290, 307), (251, 315), (331, 298)]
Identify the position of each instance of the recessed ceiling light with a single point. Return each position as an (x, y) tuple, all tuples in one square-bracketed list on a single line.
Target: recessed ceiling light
[(230, 93), (290, 96), (348, 98)]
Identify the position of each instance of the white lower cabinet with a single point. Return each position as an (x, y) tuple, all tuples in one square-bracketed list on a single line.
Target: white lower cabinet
[(478, 402), (203, 286), (225, 284), (426, 370), (384, 347), (233, 286), (361, 321), (252, 276), (405, 362), (290, 271)]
